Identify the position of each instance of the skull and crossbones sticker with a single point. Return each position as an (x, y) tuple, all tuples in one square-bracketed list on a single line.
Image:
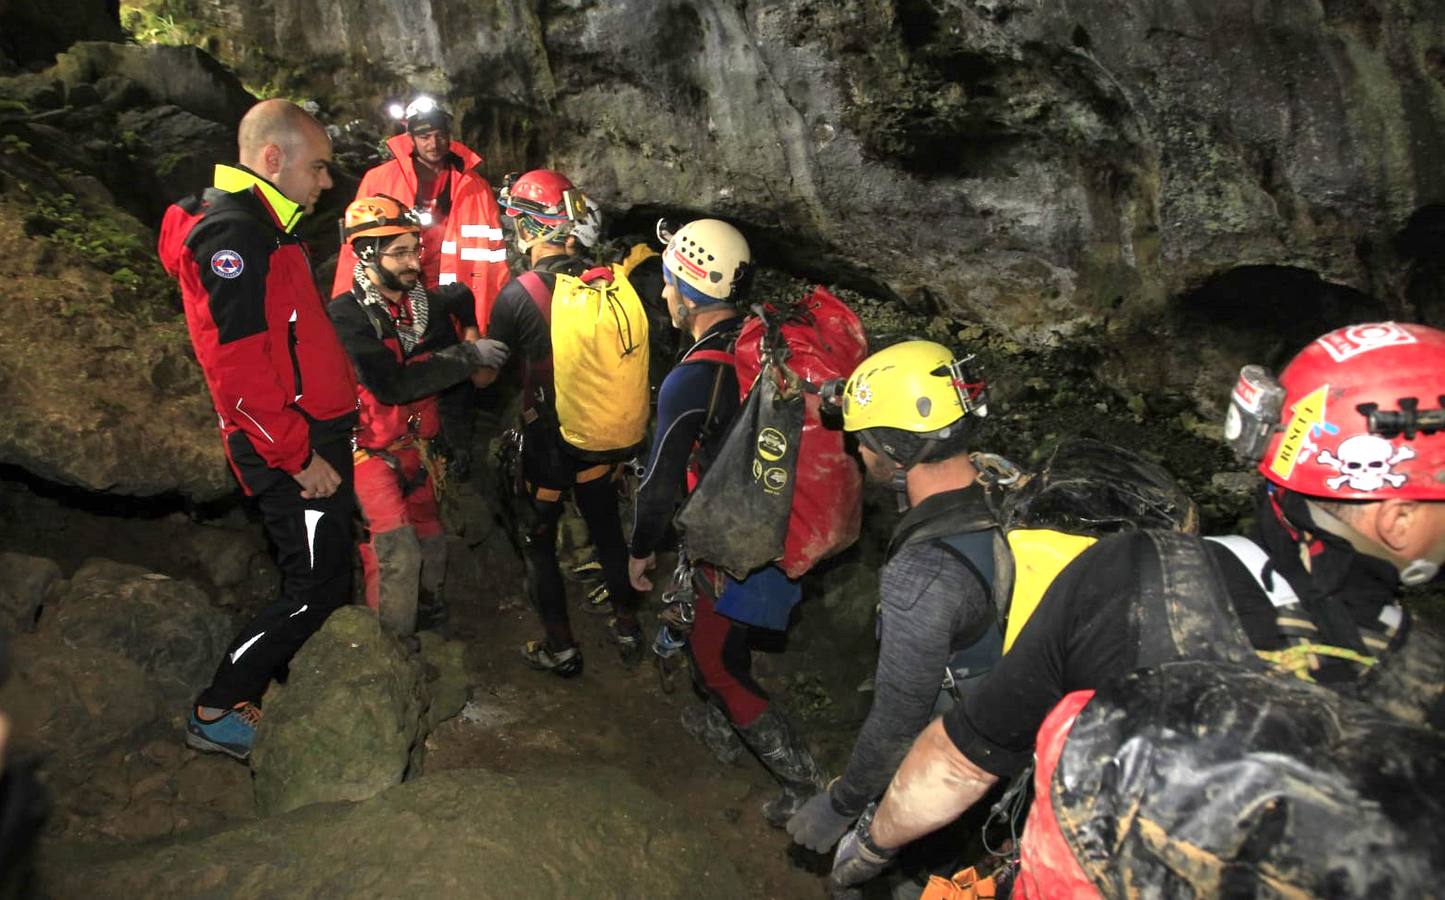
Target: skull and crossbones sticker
[(1365, 462)]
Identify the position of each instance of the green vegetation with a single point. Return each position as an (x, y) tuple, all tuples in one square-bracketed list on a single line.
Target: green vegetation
[(111, 243), (158, 22)]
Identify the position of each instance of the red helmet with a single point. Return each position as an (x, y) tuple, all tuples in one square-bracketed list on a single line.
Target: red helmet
[(544, 195), (1363, 415)]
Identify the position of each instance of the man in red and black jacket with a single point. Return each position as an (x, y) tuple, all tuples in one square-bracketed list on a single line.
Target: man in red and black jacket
[(282, 388), (405, 343)]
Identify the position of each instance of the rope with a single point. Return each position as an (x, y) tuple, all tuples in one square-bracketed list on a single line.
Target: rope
[(1299, 659)]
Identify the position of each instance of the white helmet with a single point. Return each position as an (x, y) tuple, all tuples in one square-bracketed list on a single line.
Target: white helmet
[(710, 256), (588, 229)]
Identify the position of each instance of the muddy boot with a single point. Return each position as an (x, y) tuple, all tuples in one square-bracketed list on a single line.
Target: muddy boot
[(398, 557), (784, 755), (710, 726)]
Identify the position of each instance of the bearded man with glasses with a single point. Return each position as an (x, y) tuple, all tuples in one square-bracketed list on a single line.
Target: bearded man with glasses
[(406, 344)]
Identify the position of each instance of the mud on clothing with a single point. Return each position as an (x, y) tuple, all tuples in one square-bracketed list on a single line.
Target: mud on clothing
[(932, 605), (464, 245), (398, 385), (551, 467), (1093, 626), (695, 406)]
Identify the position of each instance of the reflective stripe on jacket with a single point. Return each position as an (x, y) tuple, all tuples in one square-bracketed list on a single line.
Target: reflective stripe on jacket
[(269, 353), (470, 252)]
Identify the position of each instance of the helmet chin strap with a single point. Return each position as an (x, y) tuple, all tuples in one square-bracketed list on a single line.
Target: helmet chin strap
[(1412, 572), (900, 489)]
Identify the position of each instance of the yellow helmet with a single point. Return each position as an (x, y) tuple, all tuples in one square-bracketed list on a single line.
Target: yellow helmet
[(910, 399)]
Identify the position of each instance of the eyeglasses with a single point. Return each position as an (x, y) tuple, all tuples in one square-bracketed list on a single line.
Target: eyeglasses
[(403, 254)]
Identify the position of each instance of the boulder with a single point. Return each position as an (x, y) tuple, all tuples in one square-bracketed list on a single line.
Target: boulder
[(447, 682), (76, 704), (117, 402), (186, 77), (594, 833), (168, 628), (230, 557), (348, 723), (178, 146), (25, 583)]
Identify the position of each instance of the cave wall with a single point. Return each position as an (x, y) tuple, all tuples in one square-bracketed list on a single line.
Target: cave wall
[(1048, 167), (1165, 189)]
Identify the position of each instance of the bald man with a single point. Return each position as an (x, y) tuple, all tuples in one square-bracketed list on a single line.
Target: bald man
[(283, 392)]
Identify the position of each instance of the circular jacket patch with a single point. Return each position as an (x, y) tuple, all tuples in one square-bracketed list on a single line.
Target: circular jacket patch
[(227, 263)]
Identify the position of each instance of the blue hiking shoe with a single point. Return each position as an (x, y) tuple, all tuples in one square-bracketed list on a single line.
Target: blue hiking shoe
[(232, 734)]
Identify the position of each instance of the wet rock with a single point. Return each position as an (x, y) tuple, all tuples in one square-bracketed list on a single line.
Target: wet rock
[(594, 833), (1082, 166), (120, 433), (77, 704), (230, 557), (25, 583), (347, 722), (186, 77), (447, 682), (179, 146), (169, 628)]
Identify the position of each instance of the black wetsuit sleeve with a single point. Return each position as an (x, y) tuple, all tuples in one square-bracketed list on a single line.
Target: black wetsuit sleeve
[(1084, 633), (681, 407), (928, 597), (377, 367), (458, 304), (517, 322)]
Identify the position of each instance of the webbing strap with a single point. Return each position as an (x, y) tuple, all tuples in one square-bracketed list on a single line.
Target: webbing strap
[(537, 289)]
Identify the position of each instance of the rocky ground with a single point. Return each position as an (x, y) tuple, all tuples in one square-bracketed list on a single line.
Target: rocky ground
[(102, 695)]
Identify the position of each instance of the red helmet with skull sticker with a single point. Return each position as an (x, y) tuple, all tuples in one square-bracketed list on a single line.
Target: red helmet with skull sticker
[(1361, 415)]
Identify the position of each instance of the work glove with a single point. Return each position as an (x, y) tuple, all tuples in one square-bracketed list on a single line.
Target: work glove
[(818, 825), (487, 353), (858, 859)]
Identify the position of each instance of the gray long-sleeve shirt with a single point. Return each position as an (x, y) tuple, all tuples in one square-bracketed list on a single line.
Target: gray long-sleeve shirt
[(929, 597)]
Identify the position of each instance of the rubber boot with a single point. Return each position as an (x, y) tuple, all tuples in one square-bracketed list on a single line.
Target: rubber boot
[(784, 755), (710, 727), (398, 555), (431, 608)]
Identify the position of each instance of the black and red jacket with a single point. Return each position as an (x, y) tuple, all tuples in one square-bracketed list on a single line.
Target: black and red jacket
[(398, 390), (269, 353)]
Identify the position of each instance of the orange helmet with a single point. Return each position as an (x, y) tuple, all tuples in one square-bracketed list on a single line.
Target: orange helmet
[(377, 217)]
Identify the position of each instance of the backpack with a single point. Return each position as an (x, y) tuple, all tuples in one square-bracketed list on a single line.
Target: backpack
[(783, 489), (1034, 524), (1201, 779), (599, 359), (1085, 490)]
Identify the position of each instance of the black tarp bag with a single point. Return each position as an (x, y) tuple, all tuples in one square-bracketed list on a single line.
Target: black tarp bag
[(1202, 779), (1092, 487), (737, 516)]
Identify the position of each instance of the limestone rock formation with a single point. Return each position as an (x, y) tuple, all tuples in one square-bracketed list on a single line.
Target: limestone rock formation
[(167, 627), (348, 723), (25, 585), (595, 834), (1048, 168)]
